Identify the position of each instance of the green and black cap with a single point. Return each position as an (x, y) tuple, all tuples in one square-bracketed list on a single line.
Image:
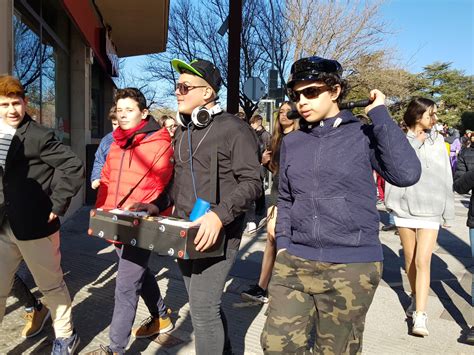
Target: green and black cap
[(202, 68)]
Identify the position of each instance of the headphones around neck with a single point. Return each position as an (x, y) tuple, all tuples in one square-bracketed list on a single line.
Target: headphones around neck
[(201, 116)]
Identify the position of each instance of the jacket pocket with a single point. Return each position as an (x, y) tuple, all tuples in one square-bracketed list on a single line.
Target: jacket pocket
[(337, 227), (302, 222), (424, 203)]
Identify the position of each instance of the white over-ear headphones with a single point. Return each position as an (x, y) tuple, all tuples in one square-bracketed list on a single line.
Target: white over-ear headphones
[(201, 116)]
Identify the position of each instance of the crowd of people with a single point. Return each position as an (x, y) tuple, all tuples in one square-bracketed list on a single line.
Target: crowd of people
[(321, 216)]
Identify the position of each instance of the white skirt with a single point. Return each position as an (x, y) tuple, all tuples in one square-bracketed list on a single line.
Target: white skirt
[(415, 223)]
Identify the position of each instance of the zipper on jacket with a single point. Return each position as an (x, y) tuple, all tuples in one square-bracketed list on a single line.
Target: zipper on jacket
[(119, 176), (314, 192)]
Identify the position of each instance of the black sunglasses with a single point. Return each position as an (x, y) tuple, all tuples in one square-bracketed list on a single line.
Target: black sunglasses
[(311, 92), (184, 89)]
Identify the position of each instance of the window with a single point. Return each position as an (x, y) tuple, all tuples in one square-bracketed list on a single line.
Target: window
[(41, 62)]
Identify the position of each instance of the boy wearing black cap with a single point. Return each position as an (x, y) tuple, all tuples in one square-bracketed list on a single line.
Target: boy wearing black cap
[(216, 160), (329, 259)]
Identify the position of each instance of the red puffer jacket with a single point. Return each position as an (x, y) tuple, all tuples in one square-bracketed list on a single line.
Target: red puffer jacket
[(124, 168)]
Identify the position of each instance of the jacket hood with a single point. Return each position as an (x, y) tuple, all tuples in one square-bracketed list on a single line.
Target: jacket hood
[(451, 138), (329, 125), (155, 132), (151, 132), (151, 126)]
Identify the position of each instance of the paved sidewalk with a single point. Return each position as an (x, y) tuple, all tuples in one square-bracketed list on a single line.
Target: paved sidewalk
[(89, 265)]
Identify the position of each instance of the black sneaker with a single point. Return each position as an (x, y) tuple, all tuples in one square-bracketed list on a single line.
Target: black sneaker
[(470, 336), (256, 294), (388, 228)]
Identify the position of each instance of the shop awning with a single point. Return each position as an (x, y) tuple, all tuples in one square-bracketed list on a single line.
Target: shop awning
[(136, 27)]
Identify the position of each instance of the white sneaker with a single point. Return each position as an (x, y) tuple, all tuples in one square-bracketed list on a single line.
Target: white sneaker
[(251, 228), (412, 307), (419, 324)]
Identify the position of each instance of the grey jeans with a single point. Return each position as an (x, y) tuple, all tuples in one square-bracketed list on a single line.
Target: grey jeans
[(205, 280)]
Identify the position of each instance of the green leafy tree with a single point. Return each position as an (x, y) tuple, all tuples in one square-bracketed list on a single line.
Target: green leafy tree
[(452, 90), (449, 88), (375, 70)]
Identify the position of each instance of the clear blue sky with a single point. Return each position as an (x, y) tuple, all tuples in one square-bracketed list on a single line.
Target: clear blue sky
[(432, 30)]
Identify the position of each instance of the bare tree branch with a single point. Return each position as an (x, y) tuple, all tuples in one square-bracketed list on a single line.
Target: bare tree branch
[(341, 30), (274, 34)]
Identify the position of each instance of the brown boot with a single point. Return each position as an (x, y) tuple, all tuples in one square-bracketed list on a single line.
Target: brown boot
[(35, 321), (152, 326)]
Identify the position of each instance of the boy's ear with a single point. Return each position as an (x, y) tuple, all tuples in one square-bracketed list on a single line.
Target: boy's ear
[(336, 92), (208, 92), (145, 113)]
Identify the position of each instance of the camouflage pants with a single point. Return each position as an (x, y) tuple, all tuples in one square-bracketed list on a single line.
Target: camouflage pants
[(334, 297)]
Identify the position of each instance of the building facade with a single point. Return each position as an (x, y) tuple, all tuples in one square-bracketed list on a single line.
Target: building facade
[(65, 54)]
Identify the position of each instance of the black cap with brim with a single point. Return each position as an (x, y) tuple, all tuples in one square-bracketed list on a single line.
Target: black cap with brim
[(312, 69), (201, 68)]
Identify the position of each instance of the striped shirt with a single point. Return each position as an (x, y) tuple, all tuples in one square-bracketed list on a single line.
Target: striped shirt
[(6, 135)]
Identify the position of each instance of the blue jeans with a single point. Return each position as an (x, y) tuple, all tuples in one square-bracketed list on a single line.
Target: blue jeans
[(471, 237), (134, 279), (391, 220), (23, 293), (205, 280)]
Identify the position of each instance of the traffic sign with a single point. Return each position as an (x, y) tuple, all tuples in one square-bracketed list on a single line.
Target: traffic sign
[(254, 88)]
